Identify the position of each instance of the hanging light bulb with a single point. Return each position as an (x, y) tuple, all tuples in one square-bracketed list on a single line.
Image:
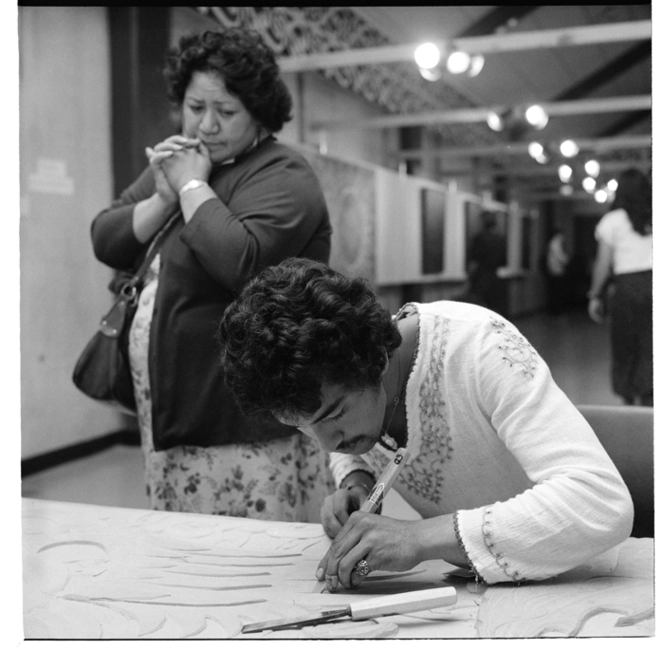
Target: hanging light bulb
[(458, 62), (565, 173), (535, 150), (588, 184), (433, 74), (601, 196), (566, 190), (592, 168), (538, 152), (495, 122), (612, 185), (476, 65), (536, 116), (427, 56), (569, 148)]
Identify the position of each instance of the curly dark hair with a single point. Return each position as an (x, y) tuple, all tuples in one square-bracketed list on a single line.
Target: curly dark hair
[(297, 325), (246, 65), (634, 195)]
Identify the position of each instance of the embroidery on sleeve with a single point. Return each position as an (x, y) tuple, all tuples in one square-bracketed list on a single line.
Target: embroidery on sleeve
[(516, 349), (462, 546), (487, 534)]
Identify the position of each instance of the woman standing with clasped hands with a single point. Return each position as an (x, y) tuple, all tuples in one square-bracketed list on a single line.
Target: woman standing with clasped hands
[(624, 239), (242, 201)]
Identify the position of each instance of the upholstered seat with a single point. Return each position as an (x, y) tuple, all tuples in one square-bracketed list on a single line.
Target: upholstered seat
[(626, 432)]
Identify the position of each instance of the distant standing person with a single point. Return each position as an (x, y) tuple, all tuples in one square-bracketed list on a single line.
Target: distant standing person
[(557, 260), (624, 237), (487, 253)]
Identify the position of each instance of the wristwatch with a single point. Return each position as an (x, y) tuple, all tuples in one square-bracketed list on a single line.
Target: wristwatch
[(193, 184)]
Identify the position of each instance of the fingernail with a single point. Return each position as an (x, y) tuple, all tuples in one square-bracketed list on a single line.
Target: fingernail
[(320, 574), (331, 582)]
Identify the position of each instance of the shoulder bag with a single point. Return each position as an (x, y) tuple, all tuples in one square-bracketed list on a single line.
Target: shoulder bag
[(102, 371)]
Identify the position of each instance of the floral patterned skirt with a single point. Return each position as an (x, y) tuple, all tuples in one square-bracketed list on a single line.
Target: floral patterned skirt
[(285, 479)]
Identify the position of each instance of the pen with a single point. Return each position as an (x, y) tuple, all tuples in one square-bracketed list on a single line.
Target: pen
[(385, 482)]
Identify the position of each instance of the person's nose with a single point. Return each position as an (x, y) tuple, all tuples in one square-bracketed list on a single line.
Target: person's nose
[(327, 440), (209, 123)]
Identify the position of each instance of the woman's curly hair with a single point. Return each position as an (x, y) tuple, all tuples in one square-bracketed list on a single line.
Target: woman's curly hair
[(297, 325), (246, 65)]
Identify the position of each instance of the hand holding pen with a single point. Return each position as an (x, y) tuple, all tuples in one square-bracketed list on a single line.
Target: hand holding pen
[(369, 542)]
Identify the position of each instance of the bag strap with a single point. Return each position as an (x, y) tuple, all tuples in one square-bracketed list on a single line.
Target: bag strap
[(153, 250)]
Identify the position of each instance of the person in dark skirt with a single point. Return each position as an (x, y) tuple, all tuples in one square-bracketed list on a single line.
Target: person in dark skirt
[(624, 255)]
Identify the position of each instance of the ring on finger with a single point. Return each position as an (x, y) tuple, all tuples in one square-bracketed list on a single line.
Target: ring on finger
[(362, 568)]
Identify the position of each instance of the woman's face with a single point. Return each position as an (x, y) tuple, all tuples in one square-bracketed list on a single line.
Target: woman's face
[(348, 421), (217, 118)]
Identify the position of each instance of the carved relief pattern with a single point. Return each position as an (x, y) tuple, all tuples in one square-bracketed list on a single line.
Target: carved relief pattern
[(350, 196), (398, 87)]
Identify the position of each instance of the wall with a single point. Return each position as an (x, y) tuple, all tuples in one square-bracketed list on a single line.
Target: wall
[(65, 180), (322, 99)]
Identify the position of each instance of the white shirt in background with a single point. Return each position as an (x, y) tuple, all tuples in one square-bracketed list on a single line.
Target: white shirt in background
[(631, 252)]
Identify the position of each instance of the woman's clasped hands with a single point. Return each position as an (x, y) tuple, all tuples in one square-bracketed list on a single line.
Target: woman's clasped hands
[(175, 161)]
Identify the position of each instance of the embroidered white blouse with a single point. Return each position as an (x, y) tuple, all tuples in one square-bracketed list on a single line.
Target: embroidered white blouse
[(495, 441)]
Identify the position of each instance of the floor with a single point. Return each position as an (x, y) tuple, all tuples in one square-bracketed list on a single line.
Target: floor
[(576, 350)]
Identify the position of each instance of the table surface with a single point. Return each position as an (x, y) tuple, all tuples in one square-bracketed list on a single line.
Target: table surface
[(95, 572)]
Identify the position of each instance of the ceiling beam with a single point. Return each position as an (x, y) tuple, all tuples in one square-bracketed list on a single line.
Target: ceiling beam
[(610, 167), (492, 43), (598, 145), (471, 115), (535, 170)]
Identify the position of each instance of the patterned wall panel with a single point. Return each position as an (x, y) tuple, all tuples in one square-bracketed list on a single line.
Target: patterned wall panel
[(350, 192)]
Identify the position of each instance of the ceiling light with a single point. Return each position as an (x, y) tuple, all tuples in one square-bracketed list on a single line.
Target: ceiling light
[(612, 185), (535, 150), (565, 173), (592, 168), (458, 62), (536, 116), (427, 56), (589, 184), (601, 196), (476, 65), (569, 148), (538, 152), (431, 74), (495, 122)]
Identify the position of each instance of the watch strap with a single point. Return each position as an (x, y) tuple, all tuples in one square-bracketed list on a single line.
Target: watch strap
[(193, 184)]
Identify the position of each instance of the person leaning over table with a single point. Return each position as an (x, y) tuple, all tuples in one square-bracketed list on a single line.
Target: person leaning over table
[(508, 476), (242, 201)]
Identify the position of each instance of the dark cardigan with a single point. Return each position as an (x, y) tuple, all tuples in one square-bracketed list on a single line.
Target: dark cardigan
[(270, 207)]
